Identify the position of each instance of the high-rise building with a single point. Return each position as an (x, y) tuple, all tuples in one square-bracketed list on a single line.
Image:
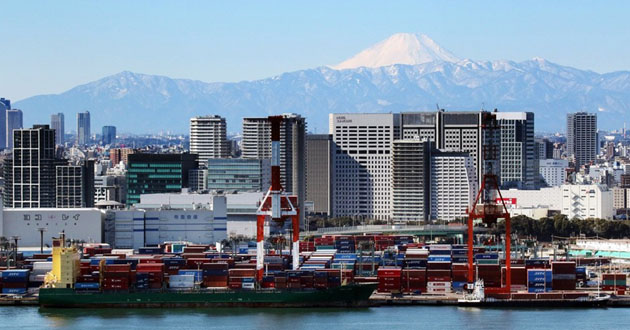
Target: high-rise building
[(75, 185), (519, 152), (410, 176), (83, 128), (453, 185), (4, 106), (464, 131), (208, 138), (582, 137), (14, 121), (109, 135), (554, 171), (239, 174), (57, 122), (117, 155), (545, 149), (361, 163), (319, 173), (30, 177), (157, 173), (256, 144)]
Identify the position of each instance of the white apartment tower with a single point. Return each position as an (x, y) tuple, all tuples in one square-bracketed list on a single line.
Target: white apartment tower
[(362, 163), (453, 185), (208, 138)]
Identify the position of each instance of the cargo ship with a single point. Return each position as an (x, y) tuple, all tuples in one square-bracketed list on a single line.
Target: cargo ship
[(352, 295), (61, 289)]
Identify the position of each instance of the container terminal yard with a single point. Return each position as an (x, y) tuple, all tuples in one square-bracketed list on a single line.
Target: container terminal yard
[(407, 271)]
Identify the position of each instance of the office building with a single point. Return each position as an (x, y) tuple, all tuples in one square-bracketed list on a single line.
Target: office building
[(58, 122), (208, 138), (319, 173), (362, 159), (4, 106), (410, 176), (545, 149), (519, 153), (584, 201), (109, 135), (14, 121), (80, 224), (157, 173), (30, 176), (553, 171), (108, 188), (582, 137), (149, 225), (460, 131), (198, 180), (83, 128), (454, 185), (75, 185), (256, 144), (237, 174), (117, 155)]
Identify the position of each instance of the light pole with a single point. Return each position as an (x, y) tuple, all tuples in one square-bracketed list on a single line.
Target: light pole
[(41, 239)]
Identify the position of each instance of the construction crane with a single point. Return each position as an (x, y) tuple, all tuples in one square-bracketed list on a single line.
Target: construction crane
[(276, 204), (485, 205)]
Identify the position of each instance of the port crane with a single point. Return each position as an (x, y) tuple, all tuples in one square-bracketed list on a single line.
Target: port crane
[(485, 206), (276, 204)]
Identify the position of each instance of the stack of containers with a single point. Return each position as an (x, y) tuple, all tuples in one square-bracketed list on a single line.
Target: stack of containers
[(563, 275), (273, 264), (215, 275), (539, 280), (294, 280), (389, 279), (489, 269), (459, 274), (439, 269), (239, 276), (416, 257), (324, 243), (181, 281), (320, 279), (344, 244), (414, 280), (382, 242), (142, 281), (40, 268), (391, 257), (173, 265), (344, 261), (155, 273), (615, 283), (403, 240), (459, 254), (307, 246), (367, 264), (537, 264), (519, 277), (116, 277), (280, 280), (15, 281), (197, 274)]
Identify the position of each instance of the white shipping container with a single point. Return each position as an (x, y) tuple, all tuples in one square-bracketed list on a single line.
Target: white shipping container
[(45, 265), (438, 284), (438, 290)]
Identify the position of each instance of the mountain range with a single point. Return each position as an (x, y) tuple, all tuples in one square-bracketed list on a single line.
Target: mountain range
[(406, 72)]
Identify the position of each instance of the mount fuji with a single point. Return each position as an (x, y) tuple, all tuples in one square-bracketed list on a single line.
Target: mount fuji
[(406, 72)]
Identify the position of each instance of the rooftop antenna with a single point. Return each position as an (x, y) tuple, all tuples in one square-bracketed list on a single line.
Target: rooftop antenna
[(483, 105)]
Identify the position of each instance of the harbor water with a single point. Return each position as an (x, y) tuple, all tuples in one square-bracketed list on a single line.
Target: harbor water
[(389, 318)]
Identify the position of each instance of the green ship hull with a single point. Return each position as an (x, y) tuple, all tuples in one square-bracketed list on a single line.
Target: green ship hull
[(356, 295)]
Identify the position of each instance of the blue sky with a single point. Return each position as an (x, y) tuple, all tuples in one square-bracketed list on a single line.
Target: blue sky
[(50, 46)]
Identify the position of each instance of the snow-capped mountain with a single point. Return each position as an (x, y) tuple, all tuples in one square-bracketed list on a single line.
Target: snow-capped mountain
[(146, 103), (400, 48)]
